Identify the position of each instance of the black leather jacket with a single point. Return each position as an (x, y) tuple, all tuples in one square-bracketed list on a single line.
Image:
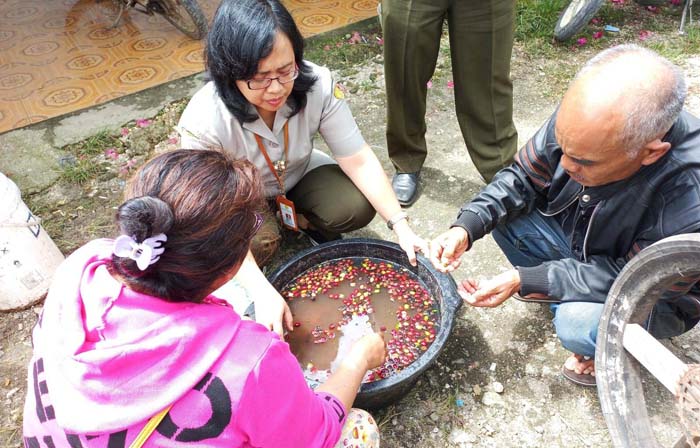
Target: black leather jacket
[(612, 223)]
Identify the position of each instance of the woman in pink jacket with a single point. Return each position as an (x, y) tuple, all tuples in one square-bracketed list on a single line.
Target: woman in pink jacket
[(130, 331)]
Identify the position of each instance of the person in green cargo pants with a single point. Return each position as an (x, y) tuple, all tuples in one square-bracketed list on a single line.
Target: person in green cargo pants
[(481, 42)]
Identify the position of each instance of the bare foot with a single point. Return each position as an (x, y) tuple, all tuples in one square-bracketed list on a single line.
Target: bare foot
[(583, 365)]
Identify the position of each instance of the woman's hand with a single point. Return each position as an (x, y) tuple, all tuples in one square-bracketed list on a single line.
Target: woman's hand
[(409, 241), (367, 353), (271, 310)]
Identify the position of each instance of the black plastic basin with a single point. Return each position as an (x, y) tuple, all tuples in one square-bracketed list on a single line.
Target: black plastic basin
[(441, 286)]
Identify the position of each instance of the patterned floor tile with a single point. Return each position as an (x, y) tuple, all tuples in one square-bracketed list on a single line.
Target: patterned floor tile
[(61, 56)]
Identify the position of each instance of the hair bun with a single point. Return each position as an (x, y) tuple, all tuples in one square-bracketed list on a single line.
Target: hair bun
[(144, 217)]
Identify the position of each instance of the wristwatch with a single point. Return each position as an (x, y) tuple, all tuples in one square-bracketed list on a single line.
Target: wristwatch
[(395, 219)]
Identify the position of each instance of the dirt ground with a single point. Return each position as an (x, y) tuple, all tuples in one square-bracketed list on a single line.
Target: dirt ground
[(497, 381)]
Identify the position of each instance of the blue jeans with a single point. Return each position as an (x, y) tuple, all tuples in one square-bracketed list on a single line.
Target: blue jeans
[(533, 239)]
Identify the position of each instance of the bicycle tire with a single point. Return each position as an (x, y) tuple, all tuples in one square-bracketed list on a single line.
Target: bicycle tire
[(632, 296), (185, 15), (651, 2), (575, 17)]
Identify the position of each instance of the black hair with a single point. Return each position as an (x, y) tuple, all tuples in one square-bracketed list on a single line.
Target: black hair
[(143, 217), (242, 34)]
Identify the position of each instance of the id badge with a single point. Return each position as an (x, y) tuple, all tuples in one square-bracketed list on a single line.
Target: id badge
[(287, 212)]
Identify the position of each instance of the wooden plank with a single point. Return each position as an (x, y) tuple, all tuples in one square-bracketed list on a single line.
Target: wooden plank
[(656, 358)]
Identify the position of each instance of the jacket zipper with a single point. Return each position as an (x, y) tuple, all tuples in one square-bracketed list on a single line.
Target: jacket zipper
[(574, 199), (588, 231)]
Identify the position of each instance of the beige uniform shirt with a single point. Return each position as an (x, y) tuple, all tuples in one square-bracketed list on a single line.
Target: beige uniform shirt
[(206, 123)]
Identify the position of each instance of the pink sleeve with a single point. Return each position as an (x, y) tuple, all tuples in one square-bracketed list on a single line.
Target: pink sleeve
[(277, 408)]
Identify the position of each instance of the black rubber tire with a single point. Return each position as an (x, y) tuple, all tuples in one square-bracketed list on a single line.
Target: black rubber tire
[(575, 17), (630, 300), (185, 15), (651, 2)]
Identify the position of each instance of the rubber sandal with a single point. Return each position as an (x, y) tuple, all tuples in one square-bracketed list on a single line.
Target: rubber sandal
[(582, 379)]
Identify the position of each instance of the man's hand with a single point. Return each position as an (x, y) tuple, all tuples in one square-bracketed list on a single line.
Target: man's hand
[(271, 310), (409, 241), (446, 249), (492, 292)]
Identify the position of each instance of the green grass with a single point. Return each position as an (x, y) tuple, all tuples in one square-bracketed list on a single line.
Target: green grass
[(535, 19), (84, 167), (678, 48), (610, 14), (333, 49), (95, 144), (82, 171)]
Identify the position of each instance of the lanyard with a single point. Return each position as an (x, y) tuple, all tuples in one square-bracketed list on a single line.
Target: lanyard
[(149, 428), (280, 167)]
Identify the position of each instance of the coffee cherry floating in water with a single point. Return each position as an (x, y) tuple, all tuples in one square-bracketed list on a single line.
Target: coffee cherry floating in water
[(416, 312)]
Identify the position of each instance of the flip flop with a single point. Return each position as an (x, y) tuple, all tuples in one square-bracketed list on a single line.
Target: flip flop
[(582, 379)]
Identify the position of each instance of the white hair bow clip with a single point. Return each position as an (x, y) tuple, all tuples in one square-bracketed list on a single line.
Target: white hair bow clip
[(144, 254)]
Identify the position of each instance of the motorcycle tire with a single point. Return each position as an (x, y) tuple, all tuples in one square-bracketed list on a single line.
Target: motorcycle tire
[(575, 17), (185, 15)]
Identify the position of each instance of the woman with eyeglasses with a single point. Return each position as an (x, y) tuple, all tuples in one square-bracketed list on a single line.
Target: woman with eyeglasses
[(265, 103), (133, 349)]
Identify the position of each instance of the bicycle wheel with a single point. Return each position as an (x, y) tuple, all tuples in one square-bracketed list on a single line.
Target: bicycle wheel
[(575, 17), (632, 296), (185, 15)]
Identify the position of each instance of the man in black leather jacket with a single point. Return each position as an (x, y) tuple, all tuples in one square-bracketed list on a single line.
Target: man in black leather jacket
[(615, 169)]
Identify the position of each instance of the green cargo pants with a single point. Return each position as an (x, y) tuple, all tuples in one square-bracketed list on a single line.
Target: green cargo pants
[(327, 198), (481, 42)]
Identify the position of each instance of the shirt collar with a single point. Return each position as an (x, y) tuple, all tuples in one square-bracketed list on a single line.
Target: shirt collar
[(259, 127), (677, 132)]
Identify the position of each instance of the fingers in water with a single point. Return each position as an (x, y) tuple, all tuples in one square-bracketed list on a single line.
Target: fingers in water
[(289, 320)]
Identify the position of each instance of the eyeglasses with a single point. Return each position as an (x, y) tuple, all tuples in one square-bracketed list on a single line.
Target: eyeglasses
[(264, 83), (259, 219), (252, 230)]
